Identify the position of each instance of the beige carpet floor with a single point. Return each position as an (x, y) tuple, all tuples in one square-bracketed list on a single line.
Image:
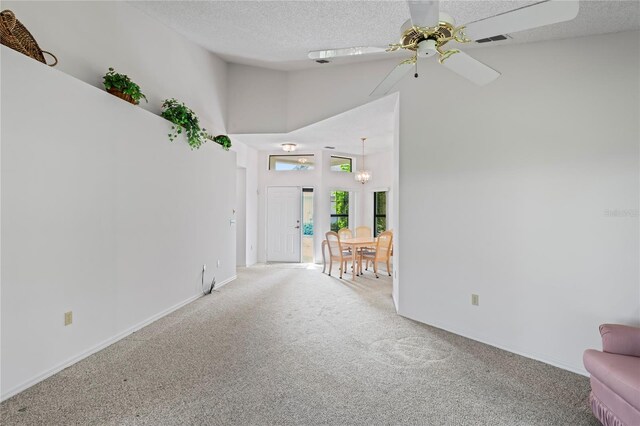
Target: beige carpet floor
[(289, 345)]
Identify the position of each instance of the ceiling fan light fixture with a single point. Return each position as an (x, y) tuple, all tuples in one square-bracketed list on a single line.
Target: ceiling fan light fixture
[(427, 48), (428, 31), (289, 147)]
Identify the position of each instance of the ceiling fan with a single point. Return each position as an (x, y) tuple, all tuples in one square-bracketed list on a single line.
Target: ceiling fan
[(429, 30)]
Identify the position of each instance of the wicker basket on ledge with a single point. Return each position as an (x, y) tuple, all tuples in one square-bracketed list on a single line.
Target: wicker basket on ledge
[(15, 36), (126, 97)]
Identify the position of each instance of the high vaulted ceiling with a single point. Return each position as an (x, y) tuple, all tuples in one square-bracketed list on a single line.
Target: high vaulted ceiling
[(374, 120), (278, 34)]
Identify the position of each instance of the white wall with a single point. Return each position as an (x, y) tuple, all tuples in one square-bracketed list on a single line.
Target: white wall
[(241, 216), (258, 103), (88, 37), (322, 180), (504, 190), (247, 158), (101, 214)]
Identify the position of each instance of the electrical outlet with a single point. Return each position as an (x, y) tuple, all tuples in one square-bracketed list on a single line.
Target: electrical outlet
[(475, 300), (68, 318)]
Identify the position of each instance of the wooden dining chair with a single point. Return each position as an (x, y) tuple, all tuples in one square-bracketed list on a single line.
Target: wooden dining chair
[(382, 252), (336, 252), (345, 233), (363, 232)]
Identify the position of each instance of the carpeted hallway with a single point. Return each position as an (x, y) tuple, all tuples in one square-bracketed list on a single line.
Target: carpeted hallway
[(289, 345)]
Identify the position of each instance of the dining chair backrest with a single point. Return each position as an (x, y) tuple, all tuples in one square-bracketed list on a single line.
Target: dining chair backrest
[(345, 233), (363, 232), (383, 246), (333, 242)]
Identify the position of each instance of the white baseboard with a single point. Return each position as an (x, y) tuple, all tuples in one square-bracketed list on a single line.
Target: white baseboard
[(48, 373), (227, 281), (534, 356)]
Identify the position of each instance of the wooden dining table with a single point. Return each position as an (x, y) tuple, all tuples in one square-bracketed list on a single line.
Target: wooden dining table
[(355, 244)]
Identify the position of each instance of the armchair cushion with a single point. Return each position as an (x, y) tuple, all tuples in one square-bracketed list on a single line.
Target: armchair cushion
[(620, 339), (619, 373)]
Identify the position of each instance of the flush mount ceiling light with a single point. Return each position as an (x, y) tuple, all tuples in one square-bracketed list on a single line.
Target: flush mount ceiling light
[(289, 147), (363, 175)]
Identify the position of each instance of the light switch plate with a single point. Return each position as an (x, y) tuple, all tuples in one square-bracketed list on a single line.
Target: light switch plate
[(68, 318)]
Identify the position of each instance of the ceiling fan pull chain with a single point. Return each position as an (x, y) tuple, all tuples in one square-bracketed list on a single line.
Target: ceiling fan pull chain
[(416, 74)]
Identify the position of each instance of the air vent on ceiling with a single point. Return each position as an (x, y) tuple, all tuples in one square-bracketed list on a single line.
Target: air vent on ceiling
[(322, 61), (490, 39), (329, 147)]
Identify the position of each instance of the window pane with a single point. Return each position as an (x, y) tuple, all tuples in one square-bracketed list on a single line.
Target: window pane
[(290, 162), (307, 211), (381, 203), (340, 164), (339, 210), (379, 212), (339, 203), (337, 223)]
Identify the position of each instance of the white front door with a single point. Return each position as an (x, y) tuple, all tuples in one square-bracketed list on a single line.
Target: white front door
[(283, 223)]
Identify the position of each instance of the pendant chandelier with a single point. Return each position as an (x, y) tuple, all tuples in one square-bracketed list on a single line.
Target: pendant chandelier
[(363, 175)]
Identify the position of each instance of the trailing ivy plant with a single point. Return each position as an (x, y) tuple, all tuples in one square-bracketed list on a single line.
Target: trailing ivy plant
[(122, 83), (184, 119), (222, 140)]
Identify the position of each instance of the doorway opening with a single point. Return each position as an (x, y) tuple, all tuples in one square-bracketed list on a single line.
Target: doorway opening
[(307, 226)]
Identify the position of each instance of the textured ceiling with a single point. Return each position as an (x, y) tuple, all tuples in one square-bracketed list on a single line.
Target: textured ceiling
[(374, 120), (278, 34)]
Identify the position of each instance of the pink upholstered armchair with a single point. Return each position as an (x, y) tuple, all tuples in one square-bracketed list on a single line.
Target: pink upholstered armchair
[(615, 376)]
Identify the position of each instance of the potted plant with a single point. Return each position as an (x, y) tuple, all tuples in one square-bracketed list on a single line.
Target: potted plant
[(222, 140), (184, 119), (121, 86)]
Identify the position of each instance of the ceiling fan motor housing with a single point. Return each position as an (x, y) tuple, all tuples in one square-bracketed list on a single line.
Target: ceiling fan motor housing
[(427, 48)]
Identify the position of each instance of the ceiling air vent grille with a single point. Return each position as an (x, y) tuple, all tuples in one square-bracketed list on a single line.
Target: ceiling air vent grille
[(490, 39)]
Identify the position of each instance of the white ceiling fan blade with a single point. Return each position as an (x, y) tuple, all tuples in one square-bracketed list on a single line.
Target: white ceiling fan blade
[(471, 69), (424, 13), (347, 51), (525, 18), (392, 78)]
